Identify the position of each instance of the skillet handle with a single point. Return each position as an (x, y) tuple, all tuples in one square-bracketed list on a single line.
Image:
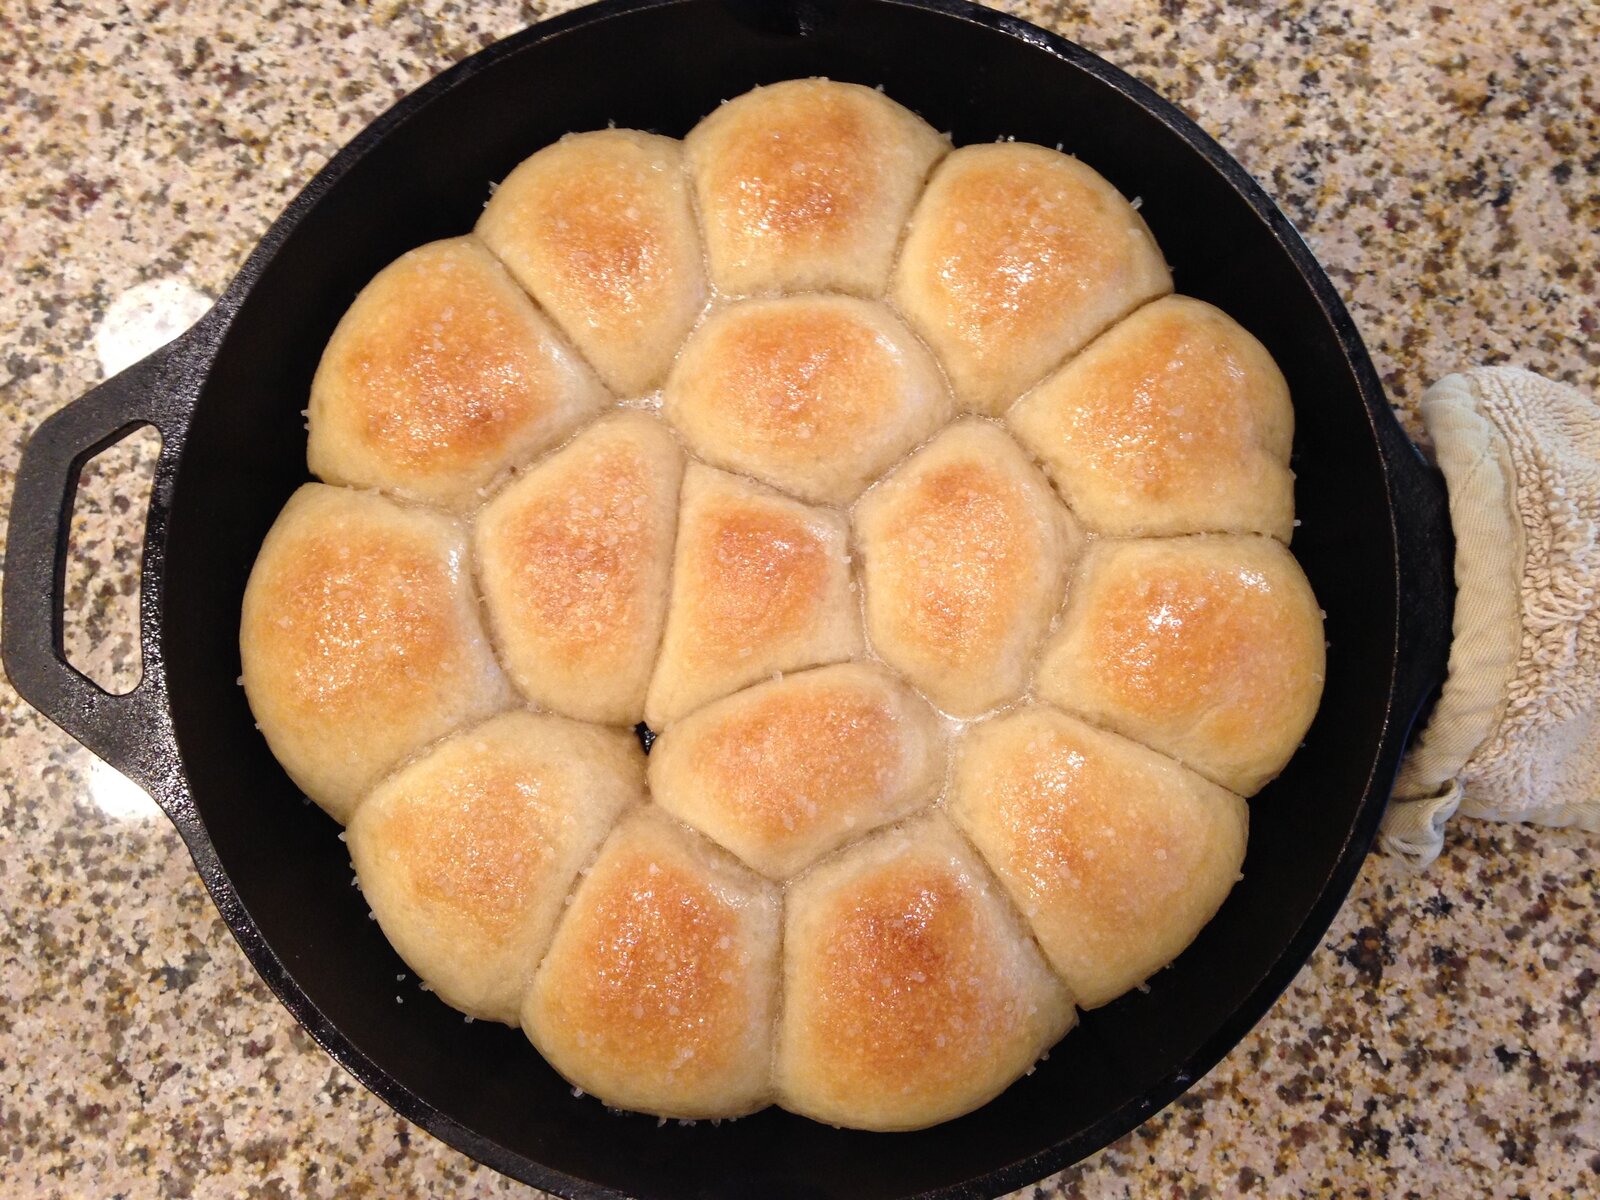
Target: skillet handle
[(1425, 550), (132, 732)]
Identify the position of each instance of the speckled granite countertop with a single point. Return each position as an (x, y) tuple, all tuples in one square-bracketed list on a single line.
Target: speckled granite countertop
[(1444, 161)]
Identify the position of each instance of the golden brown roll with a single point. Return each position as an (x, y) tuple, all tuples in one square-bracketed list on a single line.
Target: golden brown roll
[(805, 185), (910, 994), (599, 228), (659, 993), (467, 855), (817, 395), (761, 584), (1015, 258), (1209, 649), (783, 772), (965, 551), (441, 375), (574, 559), (1174, 421), (678, 395), (360, 640), (1115, 855)]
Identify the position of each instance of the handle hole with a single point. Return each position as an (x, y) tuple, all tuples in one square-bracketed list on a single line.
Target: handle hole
[(105, 553)]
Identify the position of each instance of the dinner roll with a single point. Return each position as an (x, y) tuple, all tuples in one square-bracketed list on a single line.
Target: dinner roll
[(805, 185), (1209, 649), (677, 400), (760, 584), (441, 375), (783, 772), (1115, 855), (965, 551), (599, 228), (911, 995), (659, 993), (817, 395), (467, 855), (360, 640), (574, 559), (1016, 257), (1173, 421)]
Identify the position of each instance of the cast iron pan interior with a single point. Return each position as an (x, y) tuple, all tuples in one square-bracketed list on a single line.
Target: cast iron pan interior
[(282, 878)]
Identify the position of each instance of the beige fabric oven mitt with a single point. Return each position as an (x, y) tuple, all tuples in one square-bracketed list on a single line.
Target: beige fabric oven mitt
[(1516, 733)]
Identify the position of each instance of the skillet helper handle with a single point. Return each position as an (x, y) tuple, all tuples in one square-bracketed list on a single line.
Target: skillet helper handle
[(1425, 548), (132, 732)]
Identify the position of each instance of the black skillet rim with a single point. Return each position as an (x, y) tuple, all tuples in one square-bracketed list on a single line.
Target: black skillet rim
[(1409, 680)]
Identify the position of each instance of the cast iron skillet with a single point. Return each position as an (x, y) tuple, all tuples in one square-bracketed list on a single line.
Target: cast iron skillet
[(226, 398)]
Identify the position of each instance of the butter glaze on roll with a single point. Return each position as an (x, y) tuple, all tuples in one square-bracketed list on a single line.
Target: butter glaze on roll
[(805, 186), (599, 228), (761, 584), (467, 855), (783, 772), (817, 395), (1174, 421), (440, 376), (1209, 649), (965, 551), (911, 996), (1115, 855), (659, 993), (1016, 257), (360, 640), (574, 560)]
